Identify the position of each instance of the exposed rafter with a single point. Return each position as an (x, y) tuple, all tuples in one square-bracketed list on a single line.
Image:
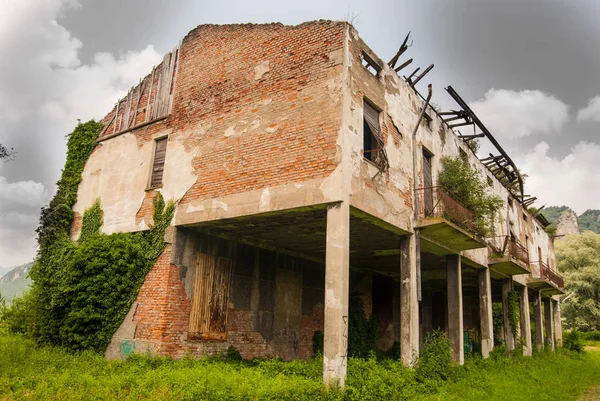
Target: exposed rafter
[(500, 165)]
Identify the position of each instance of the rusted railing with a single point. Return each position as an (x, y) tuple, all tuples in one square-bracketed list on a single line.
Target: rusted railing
[(437, 202), (518, 251), (550, 275)]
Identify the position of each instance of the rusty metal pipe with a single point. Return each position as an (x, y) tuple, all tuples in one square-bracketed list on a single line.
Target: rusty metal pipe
[(415, 201)]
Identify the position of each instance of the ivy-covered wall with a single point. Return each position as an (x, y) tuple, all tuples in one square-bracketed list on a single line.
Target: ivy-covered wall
[(82, 290)]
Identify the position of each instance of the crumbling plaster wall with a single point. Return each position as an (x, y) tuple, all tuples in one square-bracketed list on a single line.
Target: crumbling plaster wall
[(255, 127), (387, 195)]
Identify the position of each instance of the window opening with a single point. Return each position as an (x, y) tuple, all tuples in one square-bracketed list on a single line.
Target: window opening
[(373, 145), (370, 64), (158, 163)]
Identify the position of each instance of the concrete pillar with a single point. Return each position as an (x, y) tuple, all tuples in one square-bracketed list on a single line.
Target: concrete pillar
[(548, 322), (557, 323), (509, 338), (337, 263), (455, 308), (409, 306), (486, 319), (525, 321), (537, 315)]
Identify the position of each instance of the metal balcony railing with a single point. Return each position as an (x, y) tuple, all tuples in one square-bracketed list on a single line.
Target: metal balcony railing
[(517, 251), (438, 202), (547, 273), (505, 245)]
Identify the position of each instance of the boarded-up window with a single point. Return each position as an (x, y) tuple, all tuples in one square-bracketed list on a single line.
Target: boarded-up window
[(208, 319), (158, 164)]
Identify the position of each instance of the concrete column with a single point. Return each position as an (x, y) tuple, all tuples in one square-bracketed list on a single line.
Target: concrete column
[(525, 321), (337, 263), (409, 306), (548, 322), (455, 308), (537, 314), (557, 323), (486, 319), (508, 334)]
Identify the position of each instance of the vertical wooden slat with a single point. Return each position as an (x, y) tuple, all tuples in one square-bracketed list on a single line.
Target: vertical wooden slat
[(210, 298)]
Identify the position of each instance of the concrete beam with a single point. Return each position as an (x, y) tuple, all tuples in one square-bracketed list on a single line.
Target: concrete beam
[(537, 315), (557, 323), (485, 312), (337, 268), (409, 305), (548, 322), (508, 333), (455, 308), (525, 321)]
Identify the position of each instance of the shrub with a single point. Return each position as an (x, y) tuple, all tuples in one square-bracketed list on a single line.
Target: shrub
[(572, 341), (19, 316), (318, 343), (463, 182), (233, 354), (435, 359), (362, 332)]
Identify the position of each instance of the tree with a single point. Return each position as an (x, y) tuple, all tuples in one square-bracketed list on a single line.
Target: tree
[(578, 258)]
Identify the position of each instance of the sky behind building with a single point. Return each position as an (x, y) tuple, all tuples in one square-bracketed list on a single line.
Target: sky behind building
[(528, 68)]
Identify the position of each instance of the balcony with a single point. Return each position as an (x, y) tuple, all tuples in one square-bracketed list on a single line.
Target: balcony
[(548, 281), (511, 260), (446, 221)]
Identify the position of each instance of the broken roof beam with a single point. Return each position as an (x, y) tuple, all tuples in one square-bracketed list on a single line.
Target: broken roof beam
[(422, 75), (403, 48), (479, 124), (407, 62), (411, 75), (469, 137)]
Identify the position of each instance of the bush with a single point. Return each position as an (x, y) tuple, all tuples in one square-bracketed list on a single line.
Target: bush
[(19, 317), (233, 354), (318, 343), (463, 182), (435, 359), (362, 332), (590, 336), (572, 341)]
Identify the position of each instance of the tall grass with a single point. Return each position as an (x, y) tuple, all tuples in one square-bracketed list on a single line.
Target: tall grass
[(31, 372)]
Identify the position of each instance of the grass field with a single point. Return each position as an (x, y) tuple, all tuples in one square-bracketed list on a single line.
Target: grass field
[(29, 372)]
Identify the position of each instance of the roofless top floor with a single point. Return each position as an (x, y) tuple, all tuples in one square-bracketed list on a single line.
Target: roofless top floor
[(247, 119)]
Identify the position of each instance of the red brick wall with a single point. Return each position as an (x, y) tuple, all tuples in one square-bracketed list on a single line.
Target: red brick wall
[(290, 114), (162, 318)]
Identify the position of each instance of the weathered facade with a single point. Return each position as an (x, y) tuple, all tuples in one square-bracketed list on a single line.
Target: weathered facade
[(298, 180)]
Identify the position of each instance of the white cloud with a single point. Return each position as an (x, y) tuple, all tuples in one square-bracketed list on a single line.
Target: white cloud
[(591, 112), (572, 180), (514, 114), (44, 89)]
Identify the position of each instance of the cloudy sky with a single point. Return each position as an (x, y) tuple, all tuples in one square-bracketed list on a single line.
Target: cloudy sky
[(528, 67)]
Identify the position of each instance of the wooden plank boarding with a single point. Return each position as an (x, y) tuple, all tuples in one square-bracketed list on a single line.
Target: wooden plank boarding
[(210, 298)]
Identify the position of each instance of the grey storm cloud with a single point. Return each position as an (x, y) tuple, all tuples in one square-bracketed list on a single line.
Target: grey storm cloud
[(529, 67)]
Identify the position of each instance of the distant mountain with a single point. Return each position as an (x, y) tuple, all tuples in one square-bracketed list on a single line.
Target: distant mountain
[(13, 283), (567, 221)]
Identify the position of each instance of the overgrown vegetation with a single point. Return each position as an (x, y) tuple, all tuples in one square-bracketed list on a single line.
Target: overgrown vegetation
[(362, 332), (82, 291), (464, 183), (578, 258), (28, 371), (514, 313)]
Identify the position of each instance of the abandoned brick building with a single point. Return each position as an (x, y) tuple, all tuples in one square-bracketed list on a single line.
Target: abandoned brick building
[(304, 169)]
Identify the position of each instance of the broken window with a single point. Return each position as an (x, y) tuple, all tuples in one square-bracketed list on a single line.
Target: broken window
[(370, 64), (524, 217), (490, 182), (510, 202), (373, 145), (463, 156), (158, 163), (210, 298)]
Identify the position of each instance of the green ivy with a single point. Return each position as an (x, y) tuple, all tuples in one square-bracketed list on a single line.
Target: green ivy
[(91, 222), (463, 182), (514, 312), (362, 332), (81, 292)]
